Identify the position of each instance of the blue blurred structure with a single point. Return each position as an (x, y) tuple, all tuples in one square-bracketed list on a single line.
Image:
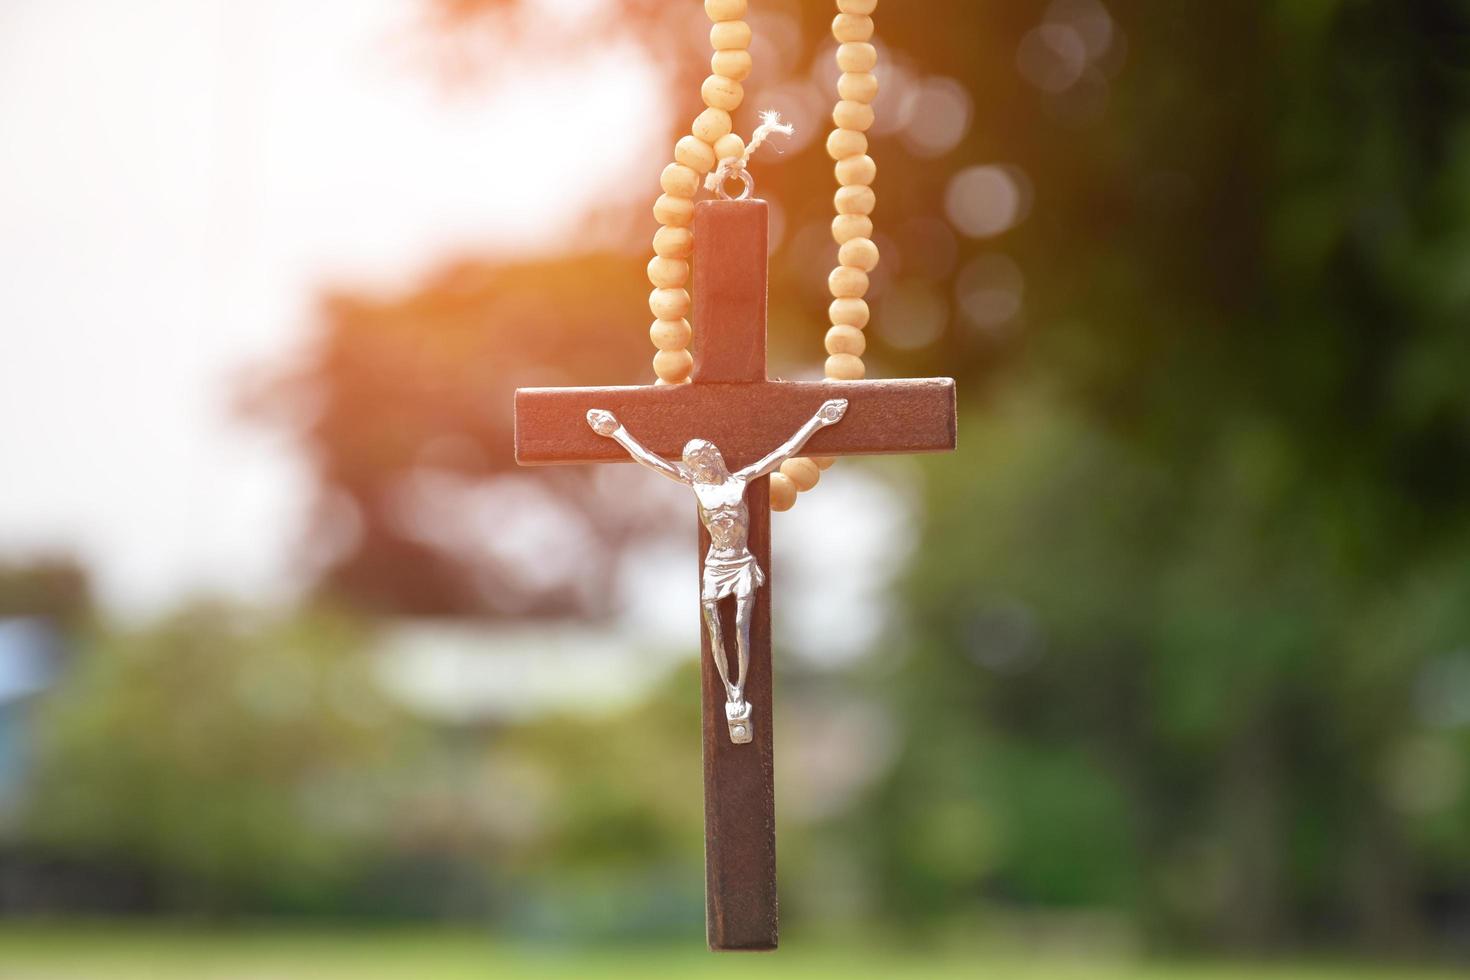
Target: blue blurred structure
[(30, 661)]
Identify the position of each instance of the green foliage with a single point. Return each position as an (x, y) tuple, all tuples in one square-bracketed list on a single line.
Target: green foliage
[(248, 763), (1117, 669), (1204, 557)]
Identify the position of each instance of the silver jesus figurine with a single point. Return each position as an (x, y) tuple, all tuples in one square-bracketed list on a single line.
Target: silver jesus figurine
[(729, 568)]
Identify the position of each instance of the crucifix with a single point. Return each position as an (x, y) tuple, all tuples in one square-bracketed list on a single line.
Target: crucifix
[(721, 435)]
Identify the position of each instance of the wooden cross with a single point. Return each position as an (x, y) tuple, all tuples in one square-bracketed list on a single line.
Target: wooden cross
[(733, 404)]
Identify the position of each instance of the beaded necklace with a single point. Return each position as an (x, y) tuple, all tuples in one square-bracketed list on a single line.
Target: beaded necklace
[(712, 144)]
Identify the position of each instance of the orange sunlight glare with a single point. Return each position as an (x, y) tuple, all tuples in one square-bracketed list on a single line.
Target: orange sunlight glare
[(179, 180)]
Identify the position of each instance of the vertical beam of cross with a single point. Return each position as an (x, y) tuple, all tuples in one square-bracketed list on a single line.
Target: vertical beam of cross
[(730, 284)]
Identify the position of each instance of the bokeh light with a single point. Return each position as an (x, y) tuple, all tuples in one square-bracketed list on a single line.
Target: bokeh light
[(913, 314), (989, 200), (989, 292), (940, 111)]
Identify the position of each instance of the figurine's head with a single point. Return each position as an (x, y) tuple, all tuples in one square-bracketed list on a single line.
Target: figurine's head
[(705, 462)]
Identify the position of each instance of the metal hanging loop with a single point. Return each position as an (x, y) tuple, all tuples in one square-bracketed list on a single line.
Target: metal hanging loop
[(745, 178)]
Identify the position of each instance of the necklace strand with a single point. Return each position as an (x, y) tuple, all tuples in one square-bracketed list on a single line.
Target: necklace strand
[(711, 140)]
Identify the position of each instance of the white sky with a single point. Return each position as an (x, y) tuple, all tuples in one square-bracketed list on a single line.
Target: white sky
[(178, 179)]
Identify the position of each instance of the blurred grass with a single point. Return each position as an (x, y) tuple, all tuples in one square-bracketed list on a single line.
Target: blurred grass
[(123, 953)]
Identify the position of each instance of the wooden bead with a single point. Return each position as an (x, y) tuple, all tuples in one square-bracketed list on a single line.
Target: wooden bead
[(671, 334), (846, 227), (844, 143), (783, 492), (843, 339), (679, 181), (718, 10), (824, 462), (853, 312), (846, 283), (853, 115), (860, 253), (710, 125), (855, 200), (846, 367), (672, 242), (671, 210), (802, 472), (669, 304), (668, 273), (730, 145), (730, 35), (857, 170), (856, 56), (864, 7), (673, 366), (859, 86), (695, 154), (731, 64), (852, 27), (720, 92)]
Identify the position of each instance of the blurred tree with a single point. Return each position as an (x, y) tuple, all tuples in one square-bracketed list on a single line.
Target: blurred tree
[(248, 765), (221, 764), (1220, 552), (56, 588), (421, 387)]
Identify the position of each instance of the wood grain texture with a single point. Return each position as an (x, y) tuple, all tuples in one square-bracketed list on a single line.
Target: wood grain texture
[(744, 420), (739, 785), (731, 240), (739, 780)]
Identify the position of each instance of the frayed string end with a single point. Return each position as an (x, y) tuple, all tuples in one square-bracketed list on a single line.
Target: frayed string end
[(771, 124)]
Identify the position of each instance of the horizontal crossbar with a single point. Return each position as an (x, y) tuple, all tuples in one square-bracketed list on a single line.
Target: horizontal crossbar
[(745, 420)]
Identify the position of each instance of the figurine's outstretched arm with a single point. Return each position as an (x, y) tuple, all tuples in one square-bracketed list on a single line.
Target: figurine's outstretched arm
[(606, 424), (830, 413)]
